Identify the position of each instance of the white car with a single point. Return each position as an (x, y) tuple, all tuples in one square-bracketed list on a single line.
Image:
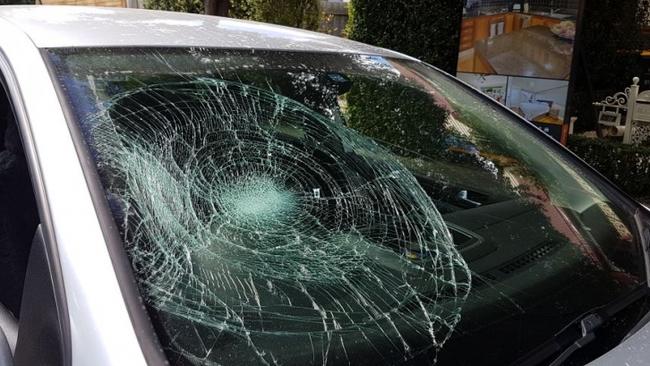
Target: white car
[(195, 190)]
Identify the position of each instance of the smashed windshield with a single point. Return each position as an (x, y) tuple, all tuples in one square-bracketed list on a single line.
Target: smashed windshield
[(312, 209)]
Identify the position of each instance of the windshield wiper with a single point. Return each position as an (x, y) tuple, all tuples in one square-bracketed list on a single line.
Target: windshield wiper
[(580, 332)]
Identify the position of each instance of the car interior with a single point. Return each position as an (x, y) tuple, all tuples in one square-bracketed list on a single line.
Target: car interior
[(18, 223)]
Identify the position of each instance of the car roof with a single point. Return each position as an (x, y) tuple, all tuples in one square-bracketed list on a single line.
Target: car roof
[(81, 26)]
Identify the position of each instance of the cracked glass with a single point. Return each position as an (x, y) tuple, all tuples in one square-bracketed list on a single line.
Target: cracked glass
[(285, 208)]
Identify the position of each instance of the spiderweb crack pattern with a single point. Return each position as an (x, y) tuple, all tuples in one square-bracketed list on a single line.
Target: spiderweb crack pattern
[(262, 232)]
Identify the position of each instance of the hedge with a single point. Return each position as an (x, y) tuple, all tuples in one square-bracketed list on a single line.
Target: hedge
[(293, 13), (186, 6), (426, 29), (399, 115), (626, 165)]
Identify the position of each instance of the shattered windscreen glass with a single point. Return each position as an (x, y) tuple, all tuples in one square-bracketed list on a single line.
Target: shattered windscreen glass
[(287, 208)]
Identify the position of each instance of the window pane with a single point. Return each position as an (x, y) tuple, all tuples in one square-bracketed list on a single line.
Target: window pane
[(298, 208)]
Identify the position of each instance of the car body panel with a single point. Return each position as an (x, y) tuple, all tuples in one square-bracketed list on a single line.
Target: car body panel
[(100, 327), (70, 26), (632, 352)]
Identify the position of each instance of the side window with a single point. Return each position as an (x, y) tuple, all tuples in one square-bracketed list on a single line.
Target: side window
[(18, 223), (18, 213), (31, 331), (31, 326)]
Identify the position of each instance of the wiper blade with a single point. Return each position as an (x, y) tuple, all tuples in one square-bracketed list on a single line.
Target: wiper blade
[(580, 332)]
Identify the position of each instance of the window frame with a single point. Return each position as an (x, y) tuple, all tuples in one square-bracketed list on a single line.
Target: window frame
[(45, 230)]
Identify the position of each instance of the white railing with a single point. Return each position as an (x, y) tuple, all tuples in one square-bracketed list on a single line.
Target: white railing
[(635, 106)]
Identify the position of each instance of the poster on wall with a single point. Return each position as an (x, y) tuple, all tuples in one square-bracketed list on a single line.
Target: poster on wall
[(520, 52)]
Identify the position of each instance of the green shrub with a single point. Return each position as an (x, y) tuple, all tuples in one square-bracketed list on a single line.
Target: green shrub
[(242, 9), (185, 6), (426, 29), (293, 13), (399, 115), (626, 165)]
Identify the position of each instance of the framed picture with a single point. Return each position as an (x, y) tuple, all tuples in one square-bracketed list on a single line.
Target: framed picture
[(497, 93)]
